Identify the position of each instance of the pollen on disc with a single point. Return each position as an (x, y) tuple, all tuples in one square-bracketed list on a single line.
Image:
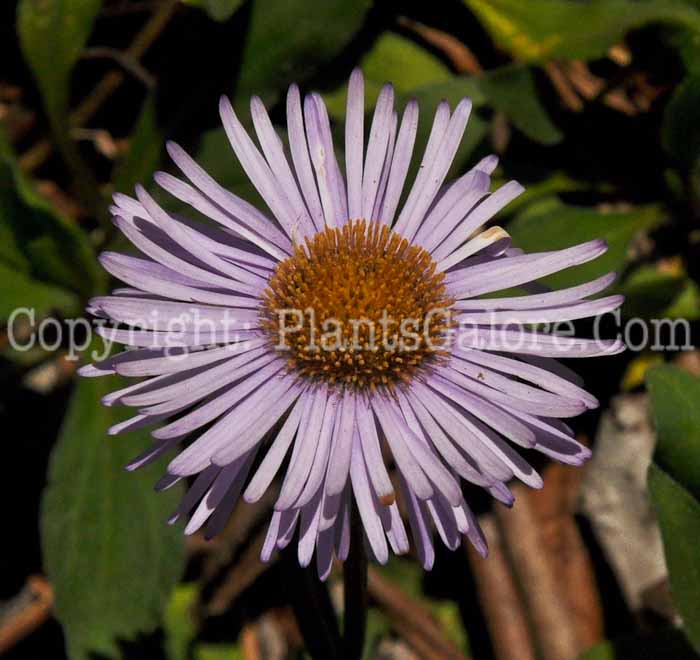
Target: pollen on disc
[(357, 306)]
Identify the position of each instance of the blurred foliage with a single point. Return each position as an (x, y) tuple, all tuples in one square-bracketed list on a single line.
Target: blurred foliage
[(511, 90), (180, 629), (386, 62), (550, 224), (219, 10), (674, 483), (144, 153), (609, 150), (109, 555), (652, 293), (681, 132), (46, 258), (542, 29), (410, 575), (53, 34), (286, 42)]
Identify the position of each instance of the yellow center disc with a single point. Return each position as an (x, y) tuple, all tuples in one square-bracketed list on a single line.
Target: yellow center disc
[(357, 306)]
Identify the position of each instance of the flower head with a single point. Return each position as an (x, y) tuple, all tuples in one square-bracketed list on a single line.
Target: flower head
[(349, 336)]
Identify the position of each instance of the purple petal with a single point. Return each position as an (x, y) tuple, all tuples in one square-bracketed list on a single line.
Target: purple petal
[(273, 459), (304, 450), (300, 156), (548, 299), (276, 159), (400, 162), (354, 142), (256, 168), (477, 217), (438, 167), (409, 466), (341, 451), (437, 132), (377, 149), (365, 504)]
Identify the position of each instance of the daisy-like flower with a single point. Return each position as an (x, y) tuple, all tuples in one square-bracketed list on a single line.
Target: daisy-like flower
[(349, 336)]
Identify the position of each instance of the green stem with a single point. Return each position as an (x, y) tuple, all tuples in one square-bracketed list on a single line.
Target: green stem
[(85, 183)]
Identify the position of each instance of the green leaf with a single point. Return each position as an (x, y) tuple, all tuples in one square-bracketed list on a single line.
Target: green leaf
[(653, 294), (110, 556), (378, 627), (180, 628), (286, 42), (219, 10), (452, 91), (538, 30), (511, 89), (37, 240), (393, 59), (674, 483), (17, 291), (678, 513), (687, 303), (398, 60), (687, 44), (675, 399), (414, 70), (415, 73), (218, 652), (681, 126), (555, 225), (450, 619), (145, 150), (52, 35), (217, 158), (558, 182), (428, 97)]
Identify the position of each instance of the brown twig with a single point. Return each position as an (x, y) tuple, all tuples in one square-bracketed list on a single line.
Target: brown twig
[(554, 506), (272, 636), (461, 58), (591, 87), (47, 376), (287, 624), (124, 60), (620, 54), (411, 619), (37, 155), (498, 595), (64, 203), (250, 643), (244, 572), (500, 132), (546, 606), (580, 76), (128, 7), (563, 85), (26, 613), (103, 142)]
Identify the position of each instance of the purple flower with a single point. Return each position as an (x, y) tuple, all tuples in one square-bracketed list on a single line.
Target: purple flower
[(344, 333)]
